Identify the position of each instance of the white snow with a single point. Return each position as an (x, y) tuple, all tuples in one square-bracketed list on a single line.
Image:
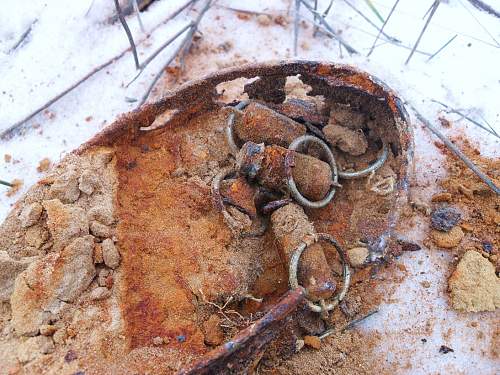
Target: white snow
[(70, 38)]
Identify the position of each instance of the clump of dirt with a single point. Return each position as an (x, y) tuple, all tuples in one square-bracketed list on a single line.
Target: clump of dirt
[(477, 232)]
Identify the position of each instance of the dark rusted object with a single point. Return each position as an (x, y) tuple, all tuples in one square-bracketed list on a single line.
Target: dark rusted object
[(337, 84), (302, 111), (260, 124), (243, 351), (290, 226), (268, 166), (274, 205)]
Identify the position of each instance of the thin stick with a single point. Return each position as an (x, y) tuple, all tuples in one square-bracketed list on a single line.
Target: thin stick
[(453, 110), (484, 7), (296, 27), (22, 38), (315, 28), (138, 13), (330, 29), (442, 48), (18, 125), (480, 24), (155, 53), (383, 26), (129, 34), (238, 10), (2, 182), (435, 5), (457, 152), (348, 326), (185, 44), (371, 22)]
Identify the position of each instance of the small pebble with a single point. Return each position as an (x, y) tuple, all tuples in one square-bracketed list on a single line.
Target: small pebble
[(157, 341), (47, 330), (110, 254), (357, 256), (448, 240), (445, 349), (445, 218)]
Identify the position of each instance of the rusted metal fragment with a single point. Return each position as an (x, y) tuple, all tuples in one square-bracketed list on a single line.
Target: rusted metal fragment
[(239, 354), (270, 89), (290, 226), (261, 124), (301, 110), (268, 166), (240, 194)]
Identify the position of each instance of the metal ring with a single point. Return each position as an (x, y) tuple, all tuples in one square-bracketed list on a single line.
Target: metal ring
[(230, 124), (292, 187), (219, 203), (372, 168), (346, 272)]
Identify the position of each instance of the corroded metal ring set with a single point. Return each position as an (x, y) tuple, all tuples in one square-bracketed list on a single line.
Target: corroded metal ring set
[(294, 146)]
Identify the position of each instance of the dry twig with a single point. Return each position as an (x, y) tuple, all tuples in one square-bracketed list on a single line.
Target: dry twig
[(184, 46), (484, 7), (432, 9), (383, 26), (129, 34), (457, 152), (330, 30), (442, 48), (2, 182)]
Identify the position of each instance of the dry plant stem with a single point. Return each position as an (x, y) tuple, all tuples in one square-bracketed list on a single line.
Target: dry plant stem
[(348, 326), (332, 33), (23, 37), (296, 27), (442, 48), (371, 22), (154, 54), (129, 34), (2, 182), (453, 110), (315, 28), (434, 7), (480, 24), (457, 152), (484, 7), (18, 125), (138, 13), (253, 12), (186, 43)]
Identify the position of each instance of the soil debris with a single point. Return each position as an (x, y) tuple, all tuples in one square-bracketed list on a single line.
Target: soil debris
[(16, 186), (353, 142), (448, 240), (474, 286), (44, 165)]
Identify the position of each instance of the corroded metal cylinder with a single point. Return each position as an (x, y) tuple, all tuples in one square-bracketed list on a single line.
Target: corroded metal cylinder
[(290, 226), (268, 165)]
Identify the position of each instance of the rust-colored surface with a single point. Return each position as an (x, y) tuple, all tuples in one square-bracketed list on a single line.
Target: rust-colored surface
[(240, 194), (173, 241)]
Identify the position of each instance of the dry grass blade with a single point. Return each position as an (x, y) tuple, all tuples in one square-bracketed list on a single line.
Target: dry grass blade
[(371, 22), (129, 34), (383, 26), (22, 38), (480, 24), (330, 30), (433, 9), (296, 27), (348, 326), (442, 48), (2, 182), (457, 152), (138, 13), (471, 120), (184, 46), (484, 7)]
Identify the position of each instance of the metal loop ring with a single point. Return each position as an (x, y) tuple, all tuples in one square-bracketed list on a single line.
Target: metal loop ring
[(292, 187), (219, 203), (346, 273), (230, 125), (372, 168)]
